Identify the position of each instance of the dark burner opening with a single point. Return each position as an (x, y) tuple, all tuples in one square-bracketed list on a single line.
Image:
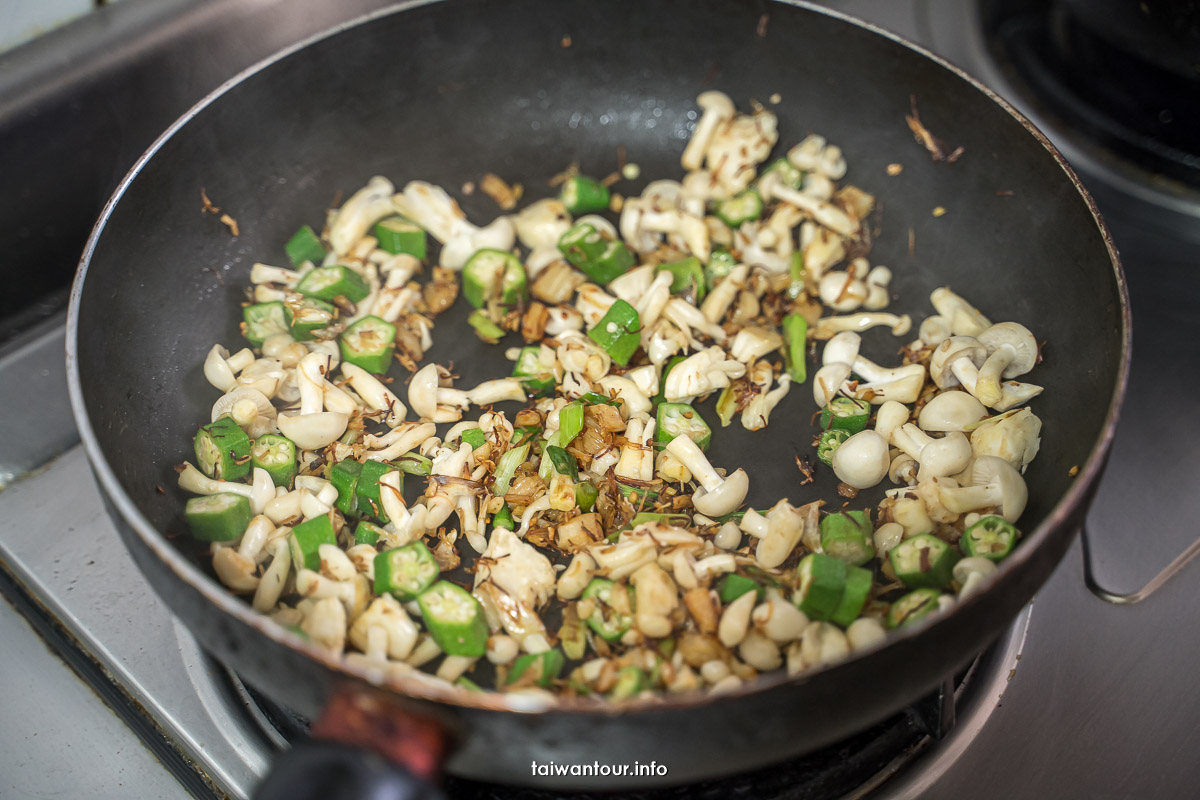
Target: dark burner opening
[(854, 766), (1112, 88)]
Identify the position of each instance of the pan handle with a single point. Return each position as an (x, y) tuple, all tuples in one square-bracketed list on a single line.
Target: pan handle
[(320, 770), (364, 746)]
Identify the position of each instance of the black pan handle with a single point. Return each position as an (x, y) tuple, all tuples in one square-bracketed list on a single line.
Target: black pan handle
[(363, 746), (321, 770)]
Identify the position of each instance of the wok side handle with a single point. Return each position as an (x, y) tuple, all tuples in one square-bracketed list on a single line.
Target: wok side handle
[(362, 747), (1152, 586)]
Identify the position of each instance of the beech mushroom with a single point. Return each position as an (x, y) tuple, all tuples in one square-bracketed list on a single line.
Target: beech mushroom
[(701, 373), (375, 394), (365, 207), (716, 495), (717, 109), (397, 632), (220, 368), (541, 224), (994, 483), (826, 327)]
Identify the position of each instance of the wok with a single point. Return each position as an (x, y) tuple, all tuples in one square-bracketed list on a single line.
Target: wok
[(448, 91)]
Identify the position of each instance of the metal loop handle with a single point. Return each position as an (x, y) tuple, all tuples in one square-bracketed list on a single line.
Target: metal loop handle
[(1152, 586)]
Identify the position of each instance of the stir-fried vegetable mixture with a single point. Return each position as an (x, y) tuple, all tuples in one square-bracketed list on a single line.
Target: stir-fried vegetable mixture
[(605, 553)]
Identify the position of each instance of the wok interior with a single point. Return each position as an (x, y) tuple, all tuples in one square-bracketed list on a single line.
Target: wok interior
[(449, 91)]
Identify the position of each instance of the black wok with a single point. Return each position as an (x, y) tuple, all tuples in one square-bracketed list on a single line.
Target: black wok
[(448, 91)]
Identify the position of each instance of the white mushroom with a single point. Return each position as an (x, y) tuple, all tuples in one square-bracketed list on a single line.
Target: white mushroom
[(994, 483), (956, 361), (948, 455), (1013, 436), (716, 495), (862, 460), (950, 411), (1012, 351), (365, 207), (962, 317), (933, 331), (969, 574), (890, 416)]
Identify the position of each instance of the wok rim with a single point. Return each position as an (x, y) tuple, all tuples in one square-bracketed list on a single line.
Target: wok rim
[(425, 688)]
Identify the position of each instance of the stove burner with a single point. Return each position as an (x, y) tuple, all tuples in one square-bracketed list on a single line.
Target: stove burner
[(1112, 88), (849, 769)]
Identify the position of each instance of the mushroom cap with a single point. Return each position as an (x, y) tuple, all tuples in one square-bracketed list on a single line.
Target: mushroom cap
[(226, 402), (950, 411), (1019, 338), (890, 416), (862, 460), (312, 431), (948, 352), (826, 383), (934, 330), (963, 318), (726, 497), (422, 391), (1013, 436), (841, 348), (991, 470), (949, 455), (716, 101)]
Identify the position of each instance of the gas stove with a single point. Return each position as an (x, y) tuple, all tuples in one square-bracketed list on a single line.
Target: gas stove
[(1090, 692)]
